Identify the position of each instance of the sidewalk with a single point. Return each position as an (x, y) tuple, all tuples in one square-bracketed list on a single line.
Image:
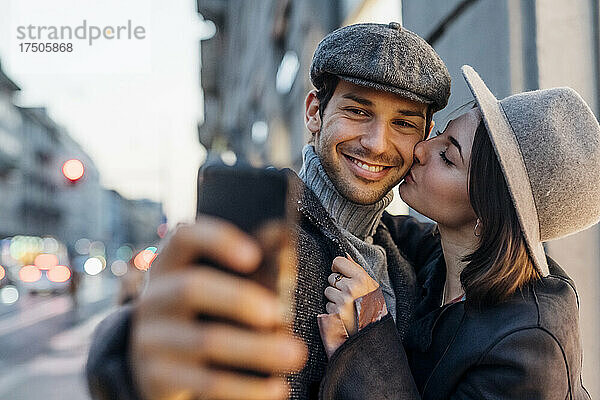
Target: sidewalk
[(58, 373), (55, 371)]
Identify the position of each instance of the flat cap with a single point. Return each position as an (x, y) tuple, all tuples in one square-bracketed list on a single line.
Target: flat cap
[(383, 57)]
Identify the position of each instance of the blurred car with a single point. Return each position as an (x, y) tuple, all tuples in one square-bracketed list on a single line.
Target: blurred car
[(45, 278)]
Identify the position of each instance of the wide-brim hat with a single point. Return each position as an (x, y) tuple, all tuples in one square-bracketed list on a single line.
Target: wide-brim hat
[(548, 146)]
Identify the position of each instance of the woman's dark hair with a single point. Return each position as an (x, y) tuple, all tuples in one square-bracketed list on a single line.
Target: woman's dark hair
[(328, 86), (501, 264)]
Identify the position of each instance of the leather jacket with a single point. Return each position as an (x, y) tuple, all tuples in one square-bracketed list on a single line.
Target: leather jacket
[(525, 348)]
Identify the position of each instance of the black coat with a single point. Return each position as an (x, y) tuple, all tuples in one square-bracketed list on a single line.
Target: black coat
[(525, 348), (319, 242)]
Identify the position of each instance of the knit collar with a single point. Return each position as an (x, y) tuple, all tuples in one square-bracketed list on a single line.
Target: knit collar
[(360, 220)]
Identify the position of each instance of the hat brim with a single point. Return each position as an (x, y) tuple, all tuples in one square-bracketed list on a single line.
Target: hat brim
[(511, 161), (391, 89)]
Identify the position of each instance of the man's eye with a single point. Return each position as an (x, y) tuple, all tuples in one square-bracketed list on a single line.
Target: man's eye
[(357, 111), (404, 124)]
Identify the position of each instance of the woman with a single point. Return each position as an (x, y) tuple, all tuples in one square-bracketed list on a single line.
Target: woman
[(494, 318)]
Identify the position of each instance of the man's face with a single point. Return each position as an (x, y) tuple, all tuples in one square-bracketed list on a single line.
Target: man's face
[(365, 139)]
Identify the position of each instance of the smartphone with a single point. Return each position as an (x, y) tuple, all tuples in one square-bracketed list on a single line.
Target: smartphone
[(258, 202)]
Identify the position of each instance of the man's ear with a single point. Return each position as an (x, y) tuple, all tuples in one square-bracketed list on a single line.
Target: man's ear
[(431, 125), (312, 117)]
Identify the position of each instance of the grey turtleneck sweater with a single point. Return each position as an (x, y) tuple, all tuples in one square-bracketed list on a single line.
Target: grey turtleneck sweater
[(357, 222)]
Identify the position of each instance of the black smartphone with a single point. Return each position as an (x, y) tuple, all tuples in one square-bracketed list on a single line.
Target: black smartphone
[(257, 201)]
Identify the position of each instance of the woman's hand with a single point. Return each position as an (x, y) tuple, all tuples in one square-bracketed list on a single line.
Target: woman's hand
[(348, 282)]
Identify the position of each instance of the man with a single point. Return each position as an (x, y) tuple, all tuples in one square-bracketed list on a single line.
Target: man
[(377, 87)]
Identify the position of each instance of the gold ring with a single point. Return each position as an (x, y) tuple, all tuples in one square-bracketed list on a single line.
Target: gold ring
[(337, 279)]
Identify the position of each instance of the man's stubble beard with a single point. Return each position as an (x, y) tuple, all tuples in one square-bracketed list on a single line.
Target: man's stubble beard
[(358, 195)]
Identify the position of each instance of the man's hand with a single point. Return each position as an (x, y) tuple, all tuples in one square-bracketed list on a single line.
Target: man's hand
[(348, 282), (178, 356)]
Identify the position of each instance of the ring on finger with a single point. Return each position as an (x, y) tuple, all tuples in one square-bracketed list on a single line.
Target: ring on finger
[(337, 279)]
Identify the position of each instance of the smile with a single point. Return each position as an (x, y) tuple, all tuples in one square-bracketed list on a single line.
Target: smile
[(366, 166)]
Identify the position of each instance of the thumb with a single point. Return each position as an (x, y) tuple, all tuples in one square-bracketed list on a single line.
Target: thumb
[(349, 257)]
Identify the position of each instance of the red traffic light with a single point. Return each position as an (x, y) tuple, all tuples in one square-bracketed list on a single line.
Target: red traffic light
[(73, 170)]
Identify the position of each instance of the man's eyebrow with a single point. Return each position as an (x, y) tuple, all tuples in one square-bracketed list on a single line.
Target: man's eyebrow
[(455, 142), (358, 99), (411, 113), (369, 103)]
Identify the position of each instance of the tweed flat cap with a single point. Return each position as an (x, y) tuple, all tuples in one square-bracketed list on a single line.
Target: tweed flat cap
[(548, 145), (383, 57)]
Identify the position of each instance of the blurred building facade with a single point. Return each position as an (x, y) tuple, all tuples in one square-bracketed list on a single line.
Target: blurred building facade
[(10, 155), (254, 74), (39, 201), (130, 221), (255, 78)]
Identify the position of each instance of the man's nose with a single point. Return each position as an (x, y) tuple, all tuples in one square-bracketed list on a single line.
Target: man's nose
[(420, 152), (376, 138)]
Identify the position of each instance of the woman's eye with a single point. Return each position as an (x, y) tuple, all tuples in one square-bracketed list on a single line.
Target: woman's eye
[(446, 160)]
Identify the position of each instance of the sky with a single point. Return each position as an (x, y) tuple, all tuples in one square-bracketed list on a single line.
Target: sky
[(132, 104)]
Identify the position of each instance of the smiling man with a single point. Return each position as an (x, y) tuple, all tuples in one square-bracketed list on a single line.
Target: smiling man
[(365, 138), (376, 89)]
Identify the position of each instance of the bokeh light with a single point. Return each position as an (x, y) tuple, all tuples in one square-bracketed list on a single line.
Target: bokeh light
[(82, 246), (25, 248), (2, 272), (97, 248), (118, 268), (144, 258), (73, 169), (228, 157), (46, 261), (125, 253), (30, 273), (9, 294), (161, 231), (50, 245), (93, 266), (59, 273)]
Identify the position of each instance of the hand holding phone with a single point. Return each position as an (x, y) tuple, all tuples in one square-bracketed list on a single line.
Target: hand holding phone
[(258, 202), (237, 349)]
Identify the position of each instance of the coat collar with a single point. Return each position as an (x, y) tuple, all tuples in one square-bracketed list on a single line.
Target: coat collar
[(400, 271), (309, 206)]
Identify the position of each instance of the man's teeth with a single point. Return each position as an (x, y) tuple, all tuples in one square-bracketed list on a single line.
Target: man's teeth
[(367, 167)]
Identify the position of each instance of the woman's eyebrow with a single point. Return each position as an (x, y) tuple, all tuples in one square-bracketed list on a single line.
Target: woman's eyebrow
[(455, 143)]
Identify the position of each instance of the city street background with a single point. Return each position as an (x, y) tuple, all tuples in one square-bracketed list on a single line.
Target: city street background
[(45, 341), (100, 148)]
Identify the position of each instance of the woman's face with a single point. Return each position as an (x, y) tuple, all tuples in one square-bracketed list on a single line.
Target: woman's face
[(437, 184)]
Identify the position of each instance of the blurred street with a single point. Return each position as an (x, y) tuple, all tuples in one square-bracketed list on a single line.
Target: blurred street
[(44, 341)]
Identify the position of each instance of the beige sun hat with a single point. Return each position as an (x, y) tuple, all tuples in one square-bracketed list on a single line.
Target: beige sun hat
[(548, 145)]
